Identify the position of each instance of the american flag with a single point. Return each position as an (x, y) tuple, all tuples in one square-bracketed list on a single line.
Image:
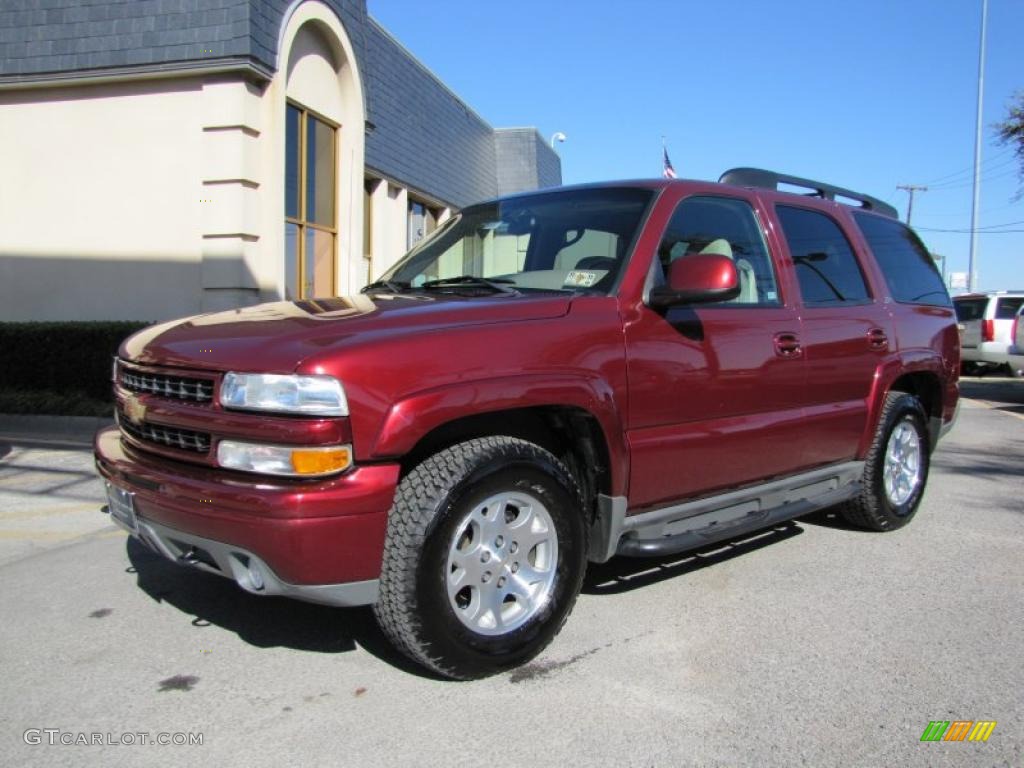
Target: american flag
[(667, 171)]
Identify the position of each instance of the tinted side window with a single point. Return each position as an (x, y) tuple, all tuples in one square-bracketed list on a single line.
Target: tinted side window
[(726, 227), (1006, 309), (909, 269), (825, 265)]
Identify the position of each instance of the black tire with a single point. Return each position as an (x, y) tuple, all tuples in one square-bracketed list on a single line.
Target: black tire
[(431, 503), (971, 369), (873, 509)]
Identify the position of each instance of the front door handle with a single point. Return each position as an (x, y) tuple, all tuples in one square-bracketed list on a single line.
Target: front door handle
[(877, 339), (787, 345)]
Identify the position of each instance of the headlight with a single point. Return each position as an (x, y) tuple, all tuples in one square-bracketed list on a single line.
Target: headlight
[(313, 395), (290, 460)]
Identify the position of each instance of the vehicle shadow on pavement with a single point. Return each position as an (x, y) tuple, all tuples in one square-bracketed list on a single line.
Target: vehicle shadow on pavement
[(263, 622), (1008, 392), (1004, 460), (623, 574), (1004, 389), (31, 480), (830, 518)]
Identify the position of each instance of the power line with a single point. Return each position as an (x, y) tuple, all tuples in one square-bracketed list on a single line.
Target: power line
[(949, 176), (965, 183), (990, 229), (979, 231), (1000, 226), (948, 214), (983, 230)]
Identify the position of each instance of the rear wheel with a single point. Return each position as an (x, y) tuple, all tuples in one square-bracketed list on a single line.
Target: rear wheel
[(484, 557), (896, 467)]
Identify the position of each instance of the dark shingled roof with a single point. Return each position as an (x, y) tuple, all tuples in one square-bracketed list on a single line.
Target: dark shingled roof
[(49, 36)]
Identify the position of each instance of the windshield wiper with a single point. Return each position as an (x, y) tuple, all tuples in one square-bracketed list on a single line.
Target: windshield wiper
[(390, 285), (497, 284)]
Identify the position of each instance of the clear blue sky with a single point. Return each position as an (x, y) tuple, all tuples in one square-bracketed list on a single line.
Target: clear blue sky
[(866, 94)]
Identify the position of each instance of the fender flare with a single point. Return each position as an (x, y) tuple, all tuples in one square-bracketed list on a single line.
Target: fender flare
[(885, 376), (414, 416)]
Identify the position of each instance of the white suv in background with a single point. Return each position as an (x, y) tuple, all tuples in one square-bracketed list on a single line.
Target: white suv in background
[(986, 322), (1016, 354)]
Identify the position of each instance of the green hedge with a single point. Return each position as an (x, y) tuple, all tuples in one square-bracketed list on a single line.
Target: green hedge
[(59, 367)]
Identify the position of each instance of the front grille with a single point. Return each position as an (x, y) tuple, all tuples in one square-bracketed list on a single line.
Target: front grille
[(177, 387), (173, 437)]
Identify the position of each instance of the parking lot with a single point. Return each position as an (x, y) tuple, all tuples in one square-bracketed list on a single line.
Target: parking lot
[(810, 644)]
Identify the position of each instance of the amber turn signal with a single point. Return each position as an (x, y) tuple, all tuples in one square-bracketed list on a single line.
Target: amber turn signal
[(320, 461)]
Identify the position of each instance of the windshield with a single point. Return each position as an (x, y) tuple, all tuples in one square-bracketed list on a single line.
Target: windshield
[(574, 240)]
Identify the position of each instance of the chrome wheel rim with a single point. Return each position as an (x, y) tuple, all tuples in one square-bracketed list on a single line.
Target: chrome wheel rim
[(902, 473), (501, 563)]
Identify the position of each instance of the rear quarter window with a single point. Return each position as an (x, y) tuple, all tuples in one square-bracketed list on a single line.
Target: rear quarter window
[(1006, 309), (908, 268), (970, 309)]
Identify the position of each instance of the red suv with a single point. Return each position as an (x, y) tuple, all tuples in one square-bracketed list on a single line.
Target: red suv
[(553, 378)]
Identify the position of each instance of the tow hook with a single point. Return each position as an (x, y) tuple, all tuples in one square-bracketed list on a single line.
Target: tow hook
[(189, 558)]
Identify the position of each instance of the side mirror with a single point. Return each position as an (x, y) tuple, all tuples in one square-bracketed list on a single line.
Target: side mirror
[(701, 278)]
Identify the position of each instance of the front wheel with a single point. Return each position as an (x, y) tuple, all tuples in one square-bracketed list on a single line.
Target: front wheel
[(484, 557), (896, 467)]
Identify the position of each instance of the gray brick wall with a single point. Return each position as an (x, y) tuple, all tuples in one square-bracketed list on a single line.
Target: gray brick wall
[(548, 163), (421, 133), (524, 161), (40, 36)]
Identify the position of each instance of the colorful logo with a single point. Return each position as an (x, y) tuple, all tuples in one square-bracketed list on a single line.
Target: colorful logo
[(958, 730), (134, 410)]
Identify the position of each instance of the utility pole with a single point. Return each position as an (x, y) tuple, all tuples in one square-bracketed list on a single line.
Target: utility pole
[(911, 188), (942, 270), (977, 152)]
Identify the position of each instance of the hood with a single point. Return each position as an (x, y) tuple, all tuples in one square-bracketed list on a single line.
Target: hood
[(277, 337)]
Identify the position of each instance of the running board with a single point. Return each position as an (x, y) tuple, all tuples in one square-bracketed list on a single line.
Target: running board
[(693, 524)]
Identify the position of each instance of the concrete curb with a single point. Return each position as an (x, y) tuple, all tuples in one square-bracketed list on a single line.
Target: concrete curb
[(66, 429)]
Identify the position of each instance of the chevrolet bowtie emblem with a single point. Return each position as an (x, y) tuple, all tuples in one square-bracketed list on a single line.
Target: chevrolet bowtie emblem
[(134, 410)]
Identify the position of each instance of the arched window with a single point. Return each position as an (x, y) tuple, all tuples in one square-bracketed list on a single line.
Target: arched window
[(321, 123)]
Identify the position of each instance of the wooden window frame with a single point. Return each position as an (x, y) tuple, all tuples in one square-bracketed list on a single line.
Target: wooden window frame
[(302, 222)]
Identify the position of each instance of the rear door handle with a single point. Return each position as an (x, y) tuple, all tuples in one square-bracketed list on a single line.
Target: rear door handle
[(787, 345), (877, 339)]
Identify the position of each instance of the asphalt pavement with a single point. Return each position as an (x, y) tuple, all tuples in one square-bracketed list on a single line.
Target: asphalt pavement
[(810, 644)]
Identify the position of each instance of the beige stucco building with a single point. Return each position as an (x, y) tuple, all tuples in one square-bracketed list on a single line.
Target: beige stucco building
[(208, 155)]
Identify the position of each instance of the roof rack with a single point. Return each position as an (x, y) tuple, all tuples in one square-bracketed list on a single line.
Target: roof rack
[(757, 177)]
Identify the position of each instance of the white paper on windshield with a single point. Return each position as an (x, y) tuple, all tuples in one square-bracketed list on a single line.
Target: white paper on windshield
[(579, 278)]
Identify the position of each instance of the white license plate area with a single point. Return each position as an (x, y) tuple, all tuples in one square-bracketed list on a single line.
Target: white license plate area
[(121, 503)]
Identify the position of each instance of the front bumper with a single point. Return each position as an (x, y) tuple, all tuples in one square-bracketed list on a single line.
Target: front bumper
[(989, 352), (320, 541), (249, 571)]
